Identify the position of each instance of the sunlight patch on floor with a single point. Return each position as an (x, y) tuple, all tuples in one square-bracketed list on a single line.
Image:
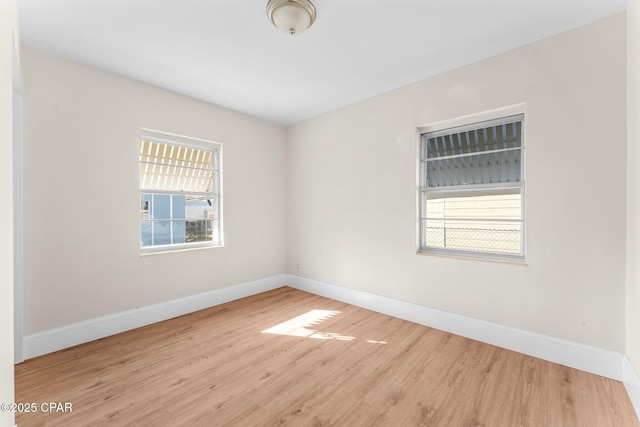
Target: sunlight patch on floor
[(303, 326)]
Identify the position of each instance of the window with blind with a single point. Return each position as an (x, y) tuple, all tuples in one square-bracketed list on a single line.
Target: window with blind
[(180, 190), (472, 190)]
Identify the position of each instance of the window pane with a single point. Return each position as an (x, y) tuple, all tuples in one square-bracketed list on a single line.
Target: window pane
[(434, 233), (161, 233), (199, 208), (145, 233), (161, 206), (502, 204), (499, 167), (215, 224), (479, 221), (496, 237), (199, 231), (145, 206), (179, 233), (178, 206)]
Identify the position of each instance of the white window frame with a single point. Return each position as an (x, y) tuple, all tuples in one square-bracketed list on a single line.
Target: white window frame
[(475, 121), (189, 142)]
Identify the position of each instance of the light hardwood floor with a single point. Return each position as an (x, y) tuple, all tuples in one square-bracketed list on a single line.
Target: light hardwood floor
[(217, 367)]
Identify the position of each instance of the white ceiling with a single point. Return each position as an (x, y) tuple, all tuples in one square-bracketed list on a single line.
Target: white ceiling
[(228, 53)]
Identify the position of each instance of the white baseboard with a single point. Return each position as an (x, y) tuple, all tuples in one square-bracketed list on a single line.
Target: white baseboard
[(632, 384), (587, 358), (56, 339)]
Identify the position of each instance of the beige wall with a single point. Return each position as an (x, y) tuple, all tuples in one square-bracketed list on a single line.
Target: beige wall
[(633, 184), (8, 22), (351, 190), (81, 231)]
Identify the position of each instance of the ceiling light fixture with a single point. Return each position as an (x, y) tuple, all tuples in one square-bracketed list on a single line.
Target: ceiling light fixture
[(291, 16)]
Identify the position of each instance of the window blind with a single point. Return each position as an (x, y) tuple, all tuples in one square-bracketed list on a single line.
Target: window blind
[(486, 155), (175, 168)]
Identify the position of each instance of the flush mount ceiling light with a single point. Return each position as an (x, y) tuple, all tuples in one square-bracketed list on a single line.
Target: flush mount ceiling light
[(291, 16)]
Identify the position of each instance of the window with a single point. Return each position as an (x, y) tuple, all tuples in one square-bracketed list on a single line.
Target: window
[(180, 203), (472, 190)]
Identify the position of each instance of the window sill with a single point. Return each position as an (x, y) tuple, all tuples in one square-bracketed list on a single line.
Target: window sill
[(472, 257), (174, 250)]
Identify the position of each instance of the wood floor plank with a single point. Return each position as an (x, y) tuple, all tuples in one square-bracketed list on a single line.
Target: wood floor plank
[(346, 367)]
